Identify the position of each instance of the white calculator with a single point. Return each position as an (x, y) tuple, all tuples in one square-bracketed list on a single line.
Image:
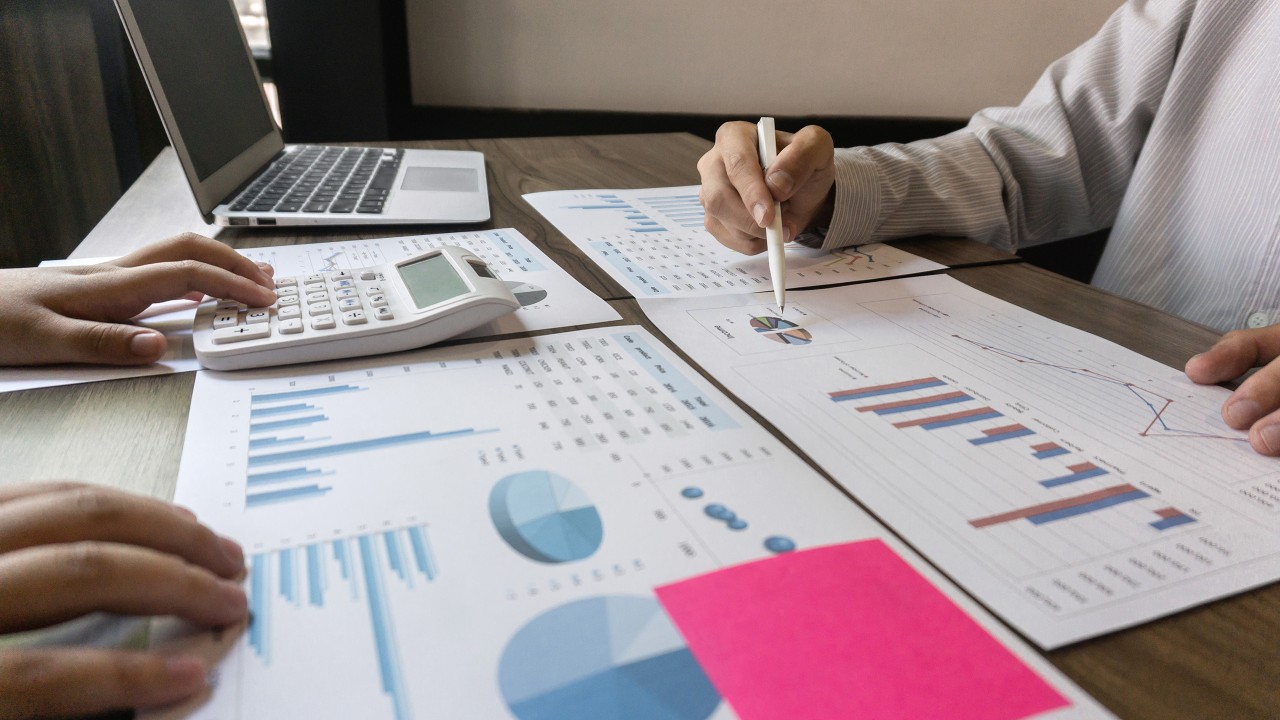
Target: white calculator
[(347, 313)]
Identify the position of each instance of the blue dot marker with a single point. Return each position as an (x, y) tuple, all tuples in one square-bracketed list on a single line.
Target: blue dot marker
[(719, 512), (737, 524), (779, 544), (692, 492)]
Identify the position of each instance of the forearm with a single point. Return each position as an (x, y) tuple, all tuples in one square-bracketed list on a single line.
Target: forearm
[(1054, 166), (946, 186)]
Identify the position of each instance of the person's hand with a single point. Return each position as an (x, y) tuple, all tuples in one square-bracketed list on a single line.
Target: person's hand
[(738, 197), (68, 549), (1255, 405), (78, 314)]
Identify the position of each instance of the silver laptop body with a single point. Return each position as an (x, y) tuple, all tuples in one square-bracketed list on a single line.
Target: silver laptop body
[(201, 73)]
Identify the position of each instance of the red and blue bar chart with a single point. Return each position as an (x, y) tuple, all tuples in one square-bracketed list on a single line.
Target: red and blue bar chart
[(934, 404)]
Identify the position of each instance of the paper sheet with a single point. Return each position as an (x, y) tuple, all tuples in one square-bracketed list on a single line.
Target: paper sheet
[(850, 631), (550, 298), (1073, 486), (652, 242), (476, 531)]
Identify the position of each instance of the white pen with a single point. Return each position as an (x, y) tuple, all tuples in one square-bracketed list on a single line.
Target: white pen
[(768, 144)]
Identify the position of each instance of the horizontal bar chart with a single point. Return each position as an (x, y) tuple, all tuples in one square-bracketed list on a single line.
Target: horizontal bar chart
[(1170, 518), (1079, 471), (294, 493), (1002, 433), (962, 417), (357, 446), (1066, 507), (296, 394), (923, 403), (887, 389), (1046, 450)]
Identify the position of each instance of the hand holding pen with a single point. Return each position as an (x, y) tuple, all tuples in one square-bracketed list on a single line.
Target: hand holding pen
[(739, 196)]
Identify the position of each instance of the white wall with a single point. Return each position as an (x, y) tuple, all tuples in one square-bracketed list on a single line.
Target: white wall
[(927, 58)]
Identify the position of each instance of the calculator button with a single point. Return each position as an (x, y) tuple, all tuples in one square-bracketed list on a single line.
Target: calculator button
[(354, 317), (383, 313), (241, 333), (373, 290), (222, 320), (320, 308), (316, 297), (314, 279), (315, 287), (229, 305), (368, 275), (349, 304), (290, 327), (286, 291), (322, 322), (257, 315), (339, 284), (292, 311), (286, 282), (378, 301), (346, 293), (340, 275), (287, 300)]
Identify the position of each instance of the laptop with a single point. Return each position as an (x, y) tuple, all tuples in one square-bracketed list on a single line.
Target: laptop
[(198, 65)]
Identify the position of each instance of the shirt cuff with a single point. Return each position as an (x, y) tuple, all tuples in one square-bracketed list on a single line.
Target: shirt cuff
[(857, 211)]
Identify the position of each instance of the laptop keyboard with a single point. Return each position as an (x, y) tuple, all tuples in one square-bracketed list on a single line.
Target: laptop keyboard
[(319, 179)]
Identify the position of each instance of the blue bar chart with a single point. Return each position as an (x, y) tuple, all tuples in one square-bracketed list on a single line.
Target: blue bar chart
[(291, 436), (650, 214), (302, 591)]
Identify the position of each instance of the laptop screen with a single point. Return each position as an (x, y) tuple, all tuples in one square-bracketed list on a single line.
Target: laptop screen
[(204, 67)]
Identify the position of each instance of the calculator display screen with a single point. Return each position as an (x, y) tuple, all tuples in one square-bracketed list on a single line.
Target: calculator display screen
[(432, 280)]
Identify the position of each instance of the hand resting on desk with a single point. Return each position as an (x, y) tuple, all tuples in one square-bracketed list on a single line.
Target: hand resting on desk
[(738, 198), (67, 550), (1255, 405), (78, 314)]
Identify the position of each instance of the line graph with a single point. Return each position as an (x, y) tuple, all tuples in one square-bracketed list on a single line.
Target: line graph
[(1149, 415), (846, 257), (1157, 403)]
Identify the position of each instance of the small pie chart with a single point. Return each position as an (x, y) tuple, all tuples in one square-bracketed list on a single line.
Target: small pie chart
[(545, 517), (616, 657), (781, 331), (526, 293)]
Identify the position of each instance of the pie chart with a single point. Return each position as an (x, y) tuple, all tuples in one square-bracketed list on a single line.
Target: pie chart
[(545, 517), (781, 331), (526, 293), (604, 658)]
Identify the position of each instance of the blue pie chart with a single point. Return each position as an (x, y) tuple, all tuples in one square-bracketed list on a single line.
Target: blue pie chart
[(604, 658), (545, 517)]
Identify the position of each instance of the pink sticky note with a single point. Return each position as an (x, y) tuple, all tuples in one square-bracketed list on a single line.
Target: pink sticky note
[(847, 631)]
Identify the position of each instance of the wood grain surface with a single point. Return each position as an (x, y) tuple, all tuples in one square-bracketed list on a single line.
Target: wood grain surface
[(1216, 661)]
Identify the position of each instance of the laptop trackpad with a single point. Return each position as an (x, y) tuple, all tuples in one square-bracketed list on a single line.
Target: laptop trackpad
[(441, 179)]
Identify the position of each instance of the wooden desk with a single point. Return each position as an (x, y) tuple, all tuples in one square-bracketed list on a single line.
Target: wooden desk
[(1216, 661)]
